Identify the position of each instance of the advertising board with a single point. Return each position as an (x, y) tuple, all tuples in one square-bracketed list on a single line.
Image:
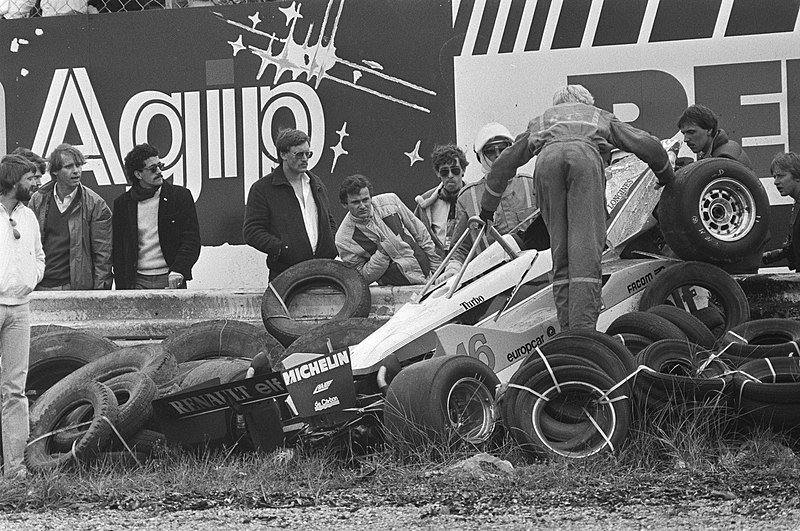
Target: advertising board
[(377, 84)]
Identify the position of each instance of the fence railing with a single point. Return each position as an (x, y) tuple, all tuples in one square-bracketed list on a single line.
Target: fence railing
[(11, 9)]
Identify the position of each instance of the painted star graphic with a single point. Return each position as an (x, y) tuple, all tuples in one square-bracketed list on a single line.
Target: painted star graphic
[(338, 149), (255, 18), (291, 12), (237, 45), (413, 155)]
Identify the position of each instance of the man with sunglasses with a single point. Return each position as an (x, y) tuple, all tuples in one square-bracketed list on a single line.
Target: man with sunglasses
[(517, 204), (21, 268), (573, 140), (287, 214), (156, 232), (75, 224), (436, 208)]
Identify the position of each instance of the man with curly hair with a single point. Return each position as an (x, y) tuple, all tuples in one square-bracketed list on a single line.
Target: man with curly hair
[(436, 208)]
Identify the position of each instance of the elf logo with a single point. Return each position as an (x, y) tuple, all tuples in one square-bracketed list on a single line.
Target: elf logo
[(322, 387)]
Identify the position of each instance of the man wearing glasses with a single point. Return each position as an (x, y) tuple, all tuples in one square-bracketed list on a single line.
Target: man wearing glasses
[(156, 232), (21, 268), (75, 224), (517, 203), (436, 208), (287, 214)]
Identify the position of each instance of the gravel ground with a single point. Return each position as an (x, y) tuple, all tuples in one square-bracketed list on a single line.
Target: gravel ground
[(719, 516)]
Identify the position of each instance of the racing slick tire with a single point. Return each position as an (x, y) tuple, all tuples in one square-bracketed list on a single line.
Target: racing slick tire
[(716, 210), (607, 414), (677, 284), (645, 324), (441, 403), (56, 353), (277, 304), (696, 331), (761, 338), (220, 338), (40, 454)]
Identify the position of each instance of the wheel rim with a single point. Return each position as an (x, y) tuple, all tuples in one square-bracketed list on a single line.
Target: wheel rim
[(470, 410), (603, 414), (727, 209)]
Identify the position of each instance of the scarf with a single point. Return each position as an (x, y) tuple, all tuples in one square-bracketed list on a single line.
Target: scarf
[(140, 194), (449, 198)]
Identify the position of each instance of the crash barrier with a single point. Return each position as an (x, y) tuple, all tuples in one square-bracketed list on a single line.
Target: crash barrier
[(141, 315)]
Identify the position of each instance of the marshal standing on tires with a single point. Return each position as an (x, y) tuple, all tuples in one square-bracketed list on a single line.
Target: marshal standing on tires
[(573, 140)]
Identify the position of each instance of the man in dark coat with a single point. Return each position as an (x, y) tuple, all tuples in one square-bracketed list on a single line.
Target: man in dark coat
[(287, 215), (156, 235), (703, 136)]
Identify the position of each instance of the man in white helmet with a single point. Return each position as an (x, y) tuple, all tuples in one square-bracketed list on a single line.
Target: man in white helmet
[(517, 204)]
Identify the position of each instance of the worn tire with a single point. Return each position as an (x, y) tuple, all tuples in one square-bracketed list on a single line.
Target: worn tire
[(696, 331), (633, 342), (645, 324), (134, 392), (341, 333), (675, 285), (320, 272), (226, 369), (39, 454), (716, 210), (220, 338), (419, 409), (761, 338), (56, 353), (768, 392), (152, 360)]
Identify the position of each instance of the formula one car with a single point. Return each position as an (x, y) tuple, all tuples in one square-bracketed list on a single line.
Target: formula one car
[(500, 306)]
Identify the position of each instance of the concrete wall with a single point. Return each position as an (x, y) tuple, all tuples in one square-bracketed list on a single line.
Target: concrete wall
[(155, 314)]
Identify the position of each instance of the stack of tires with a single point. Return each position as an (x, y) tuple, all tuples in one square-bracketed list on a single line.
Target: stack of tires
[(99, 404)]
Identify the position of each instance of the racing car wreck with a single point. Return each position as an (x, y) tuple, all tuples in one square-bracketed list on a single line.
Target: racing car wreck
[(433, 371)]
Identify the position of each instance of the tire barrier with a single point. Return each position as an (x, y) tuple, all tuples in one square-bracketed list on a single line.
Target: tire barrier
[(696, 331), (762, 338), (649, 325), (56, 352), (768, 392), (40, 454), (448, 401), (221, 338), (633, 342), (678, 285), (278, 302), (680, 372)]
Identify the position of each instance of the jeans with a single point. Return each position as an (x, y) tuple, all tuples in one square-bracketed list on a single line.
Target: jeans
[(15, 339), (155, 281)]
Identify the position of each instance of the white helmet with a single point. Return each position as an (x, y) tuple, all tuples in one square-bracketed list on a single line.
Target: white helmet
[(490, 133)]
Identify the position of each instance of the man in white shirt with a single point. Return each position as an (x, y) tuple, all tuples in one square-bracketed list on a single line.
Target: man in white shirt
[(21, 268), (287, 214), (75, 225)]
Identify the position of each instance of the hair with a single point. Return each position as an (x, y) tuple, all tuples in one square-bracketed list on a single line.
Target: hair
[(39, 162), (788, 162), (288, 138), (443, 154), (134, 160), (699, 115), (353, 185), (12, 169), (54, 161), (573, 94)]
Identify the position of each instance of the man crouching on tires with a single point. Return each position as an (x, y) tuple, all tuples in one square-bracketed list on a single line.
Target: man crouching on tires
[(573, 140), (381, 238)]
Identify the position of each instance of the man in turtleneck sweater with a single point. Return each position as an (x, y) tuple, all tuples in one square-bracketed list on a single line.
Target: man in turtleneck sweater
[(156, 232), (436, 208)]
